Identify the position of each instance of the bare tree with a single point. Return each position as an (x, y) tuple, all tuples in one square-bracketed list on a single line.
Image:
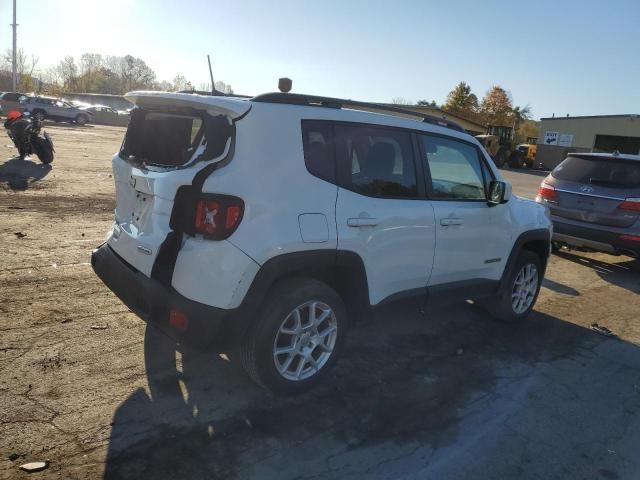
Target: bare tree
[(25, 66), (180, 82), (400, 101)]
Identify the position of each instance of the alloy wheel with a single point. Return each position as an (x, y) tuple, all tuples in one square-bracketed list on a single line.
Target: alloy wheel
[(524, 288), (305, 340)]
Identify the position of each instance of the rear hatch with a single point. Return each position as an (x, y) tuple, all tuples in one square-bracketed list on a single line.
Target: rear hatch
[(592, 189), (170, 138)]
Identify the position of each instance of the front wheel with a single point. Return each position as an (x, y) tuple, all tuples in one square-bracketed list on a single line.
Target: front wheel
[(521, 291), (500, 159), (297, 337), (82, 120)]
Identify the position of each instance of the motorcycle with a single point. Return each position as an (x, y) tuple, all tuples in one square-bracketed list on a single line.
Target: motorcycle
[(24, 131)]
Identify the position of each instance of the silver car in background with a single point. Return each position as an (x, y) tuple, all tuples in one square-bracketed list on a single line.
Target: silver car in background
[(10, 101), (56, 109), (594, 199)]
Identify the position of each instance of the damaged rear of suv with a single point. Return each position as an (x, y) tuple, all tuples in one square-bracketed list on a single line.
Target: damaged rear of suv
[(162, 217)]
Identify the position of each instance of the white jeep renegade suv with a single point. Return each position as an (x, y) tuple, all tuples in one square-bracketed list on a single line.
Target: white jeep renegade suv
[(269, 223)]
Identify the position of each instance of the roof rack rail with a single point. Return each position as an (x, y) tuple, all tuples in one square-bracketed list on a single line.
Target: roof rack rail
[(328, 102), (215, 93)]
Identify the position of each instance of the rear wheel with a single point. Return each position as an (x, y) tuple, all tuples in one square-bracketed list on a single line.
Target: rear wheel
[(42, 149), (82, 119), (297, 337), (521, 292), (516, 160)]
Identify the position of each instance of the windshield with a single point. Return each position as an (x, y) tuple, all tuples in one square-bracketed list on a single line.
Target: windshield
[(599, 171)]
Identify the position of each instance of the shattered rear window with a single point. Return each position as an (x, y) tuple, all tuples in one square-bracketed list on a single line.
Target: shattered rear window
[(170, 139)]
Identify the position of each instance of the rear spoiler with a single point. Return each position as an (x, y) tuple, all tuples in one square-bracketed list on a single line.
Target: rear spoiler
[(230, 106)]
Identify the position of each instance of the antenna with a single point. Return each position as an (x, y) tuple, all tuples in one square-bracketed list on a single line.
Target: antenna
[(213, 86)]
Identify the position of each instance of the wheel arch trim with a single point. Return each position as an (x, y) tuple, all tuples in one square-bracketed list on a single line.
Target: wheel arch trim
[(530, 237)]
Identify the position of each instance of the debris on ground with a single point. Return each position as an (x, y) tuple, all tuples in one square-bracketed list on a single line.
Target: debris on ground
[(602, 330), (20, 234), (66, 320), (99, 327), (13, 457), (34, 466), (51, 363)]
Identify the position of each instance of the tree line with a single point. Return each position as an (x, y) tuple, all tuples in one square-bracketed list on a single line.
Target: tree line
[(92, 73), (495, 108)]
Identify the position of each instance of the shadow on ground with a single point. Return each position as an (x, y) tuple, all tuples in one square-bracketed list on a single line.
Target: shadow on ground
[(22, 174), (51, 123), (405, 385), (622, 274)]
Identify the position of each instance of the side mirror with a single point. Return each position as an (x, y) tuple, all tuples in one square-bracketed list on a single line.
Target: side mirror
[(498, 193)]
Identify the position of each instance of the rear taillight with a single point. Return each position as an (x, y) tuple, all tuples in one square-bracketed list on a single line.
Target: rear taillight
[(217, 217), (631, 238), (632, 204), (547, 192)]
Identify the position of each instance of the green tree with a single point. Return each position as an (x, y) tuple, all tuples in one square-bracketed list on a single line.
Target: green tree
[(427, 103), (528, 129), (136, 74), (460, 99), (521, 115)]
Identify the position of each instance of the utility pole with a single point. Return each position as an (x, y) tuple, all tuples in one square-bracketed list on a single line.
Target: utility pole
[(14, 71)]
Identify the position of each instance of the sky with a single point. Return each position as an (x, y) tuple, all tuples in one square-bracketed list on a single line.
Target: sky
[(559, 57)]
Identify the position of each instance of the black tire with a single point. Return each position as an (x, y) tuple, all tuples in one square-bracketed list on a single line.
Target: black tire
[(257, 349), (82, 119), (515, 160), (501, 306), (500, 158), (42, 149)]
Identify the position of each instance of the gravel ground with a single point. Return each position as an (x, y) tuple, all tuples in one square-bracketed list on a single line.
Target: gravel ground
[(435, 391)]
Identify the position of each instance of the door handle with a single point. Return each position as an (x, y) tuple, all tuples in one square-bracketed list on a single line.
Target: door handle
[(445, 222), (362, 222)]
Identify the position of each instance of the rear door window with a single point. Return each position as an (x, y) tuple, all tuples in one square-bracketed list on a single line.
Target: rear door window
[(606, 172), (376, 161)]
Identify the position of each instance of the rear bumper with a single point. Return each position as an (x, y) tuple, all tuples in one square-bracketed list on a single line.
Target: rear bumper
[(153, 302), (594, 239)]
